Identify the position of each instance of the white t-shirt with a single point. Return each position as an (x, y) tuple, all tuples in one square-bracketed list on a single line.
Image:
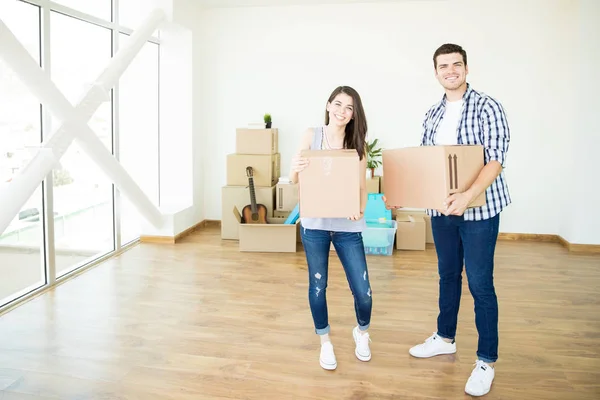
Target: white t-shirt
[(447, 130)]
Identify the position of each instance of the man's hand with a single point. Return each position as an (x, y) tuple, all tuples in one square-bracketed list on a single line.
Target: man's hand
[(387, 206), (456, 203)]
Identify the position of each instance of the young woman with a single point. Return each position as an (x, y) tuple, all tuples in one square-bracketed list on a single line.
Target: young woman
[(345, 128)]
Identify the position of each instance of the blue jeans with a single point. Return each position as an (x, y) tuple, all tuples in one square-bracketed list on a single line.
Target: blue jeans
[(350, 249), (474, 242)]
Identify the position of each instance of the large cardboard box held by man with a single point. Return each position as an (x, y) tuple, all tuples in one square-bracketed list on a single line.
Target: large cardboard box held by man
[(329, 187), (422, 177)]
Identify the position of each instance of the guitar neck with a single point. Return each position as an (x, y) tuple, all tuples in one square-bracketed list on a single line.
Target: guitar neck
[(252, 195)]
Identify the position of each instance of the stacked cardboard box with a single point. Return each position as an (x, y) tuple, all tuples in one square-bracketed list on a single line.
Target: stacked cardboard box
[(414, 229), (373, 184), (286, 198), (256, 160)]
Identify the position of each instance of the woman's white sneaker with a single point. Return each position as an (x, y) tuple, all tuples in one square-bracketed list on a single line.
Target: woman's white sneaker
[(433, 346), (480, 381), (327, 357), (362, 350)]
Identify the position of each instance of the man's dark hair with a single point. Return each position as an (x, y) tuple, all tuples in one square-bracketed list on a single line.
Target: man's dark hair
[(449, 48)]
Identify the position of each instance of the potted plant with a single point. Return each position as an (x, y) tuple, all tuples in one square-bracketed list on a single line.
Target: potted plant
[(373, 157), (267, 119)]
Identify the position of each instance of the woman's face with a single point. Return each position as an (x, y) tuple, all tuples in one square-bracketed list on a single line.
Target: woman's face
[(341, 109)]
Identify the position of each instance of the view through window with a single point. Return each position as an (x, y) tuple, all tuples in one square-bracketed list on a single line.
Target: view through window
[(81, 43)]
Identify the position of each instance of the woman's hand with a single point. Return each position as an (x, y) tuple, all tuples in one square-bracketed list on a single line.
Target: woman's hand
[(299, 163), (356, 217)]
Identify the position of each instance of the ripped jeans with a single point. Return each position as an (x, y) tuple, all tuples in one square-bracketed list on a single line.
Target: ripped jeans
[(350, 249)]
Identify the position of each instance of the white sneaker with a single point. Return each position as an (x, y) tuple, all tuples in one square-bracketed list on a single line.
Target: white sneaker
[(362, 350), (480, 381), (327, 357), (433, 346)]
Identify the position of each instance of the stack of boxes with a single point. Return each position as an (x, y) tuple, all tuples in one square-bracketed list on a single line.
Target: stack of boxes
[(258, 149)]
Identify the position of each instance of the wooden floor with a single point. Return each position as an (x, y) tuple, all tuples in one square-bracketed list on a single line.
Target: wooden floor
[(200, 320)]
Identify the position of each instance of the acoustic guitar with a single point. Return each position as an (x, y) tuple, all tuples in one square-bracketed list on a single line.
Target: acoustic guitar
[(253, 213)]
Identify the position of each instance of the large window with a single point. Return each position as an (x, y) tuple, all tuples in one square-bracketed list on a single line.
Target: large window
[(79, 42), (22, 243), (83, 199)]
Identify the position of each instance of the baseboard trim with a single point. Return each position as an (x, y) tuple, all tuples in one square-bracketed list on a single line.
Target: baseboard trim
[(173, 239), (208, 223), (528, 237), (536, 237)]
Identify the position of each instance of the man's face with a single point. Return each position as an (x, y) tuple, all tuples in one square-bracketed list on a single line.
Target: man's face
[(451, 71)]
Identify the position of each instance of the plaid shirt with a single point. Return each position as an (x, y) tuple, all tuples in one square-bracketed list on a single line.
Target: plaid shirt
[(483, 122)]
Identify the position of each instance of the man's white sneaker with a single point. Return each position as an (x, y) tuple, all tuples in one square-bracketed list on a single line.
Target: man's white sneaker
[(327, 357), (433, 346), (362, 350), (480, 381)]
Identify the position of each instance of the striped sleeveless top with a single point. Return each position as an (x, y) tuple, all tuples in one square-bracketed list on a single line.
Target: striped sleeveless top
[(330, 224)]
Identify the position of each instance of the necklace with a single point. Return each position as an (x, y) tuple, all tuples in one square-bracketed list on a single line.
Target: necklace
[(327, 140)]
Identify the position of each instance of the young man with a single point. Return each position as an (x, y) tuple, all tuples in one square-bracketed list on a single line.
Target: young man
[(465, 116)]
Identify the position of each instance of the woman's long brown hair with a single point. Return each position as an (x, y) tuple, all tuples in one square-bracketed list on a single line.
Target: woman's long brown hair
[(356, 130)]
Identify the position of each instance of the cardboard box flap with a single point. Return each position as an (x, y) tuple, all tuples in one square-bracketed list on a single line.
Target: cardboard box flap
[(237, 215), (408, 218)]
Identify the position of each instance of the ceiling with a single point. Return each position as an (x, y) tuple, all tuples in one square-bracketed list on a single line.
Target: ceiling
[(257, 3)]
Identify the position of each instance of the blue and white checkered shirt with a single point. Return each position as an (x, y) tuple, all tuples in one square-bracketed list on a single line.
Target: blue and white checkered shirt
[(483, 122)]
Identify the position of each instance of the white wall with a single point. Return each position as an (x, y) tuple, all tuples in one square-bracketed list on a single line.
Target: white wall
[(186, 13), (582, 225), (286, 61)]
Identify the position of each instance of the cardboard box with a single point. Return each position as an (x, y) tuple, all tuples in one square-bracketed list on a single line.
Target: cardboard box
[(239, 196), (428, 231), (330, 186), (286, 196), (410, 234), (273, 237), (421, 213), (422, 177), (373, 185), (284, 215), (266, 169), (257, 141)]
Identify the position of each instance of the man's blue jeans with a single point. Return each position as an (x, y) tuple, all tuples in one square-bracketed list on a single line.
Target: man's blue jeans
[(474, 242), (350, 249)]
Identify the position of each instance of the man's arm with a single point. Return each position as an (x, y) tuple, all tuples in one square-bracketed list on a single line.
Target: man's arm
[(496, 140)]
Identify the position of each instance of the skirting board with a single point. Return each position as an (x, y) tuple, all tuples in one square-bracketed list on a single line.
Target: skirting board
[(531, 237), (173, 239), (535, 237)]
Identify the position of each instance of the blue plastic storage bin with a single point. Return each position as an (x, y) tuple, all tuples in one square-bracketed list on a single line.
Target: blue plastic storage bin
[(379, 236), (375, 209)]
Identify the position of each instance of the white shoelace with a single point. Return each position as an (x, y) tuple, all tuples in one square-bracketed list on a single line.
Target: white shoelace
[(363, 341), (480, 369)]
